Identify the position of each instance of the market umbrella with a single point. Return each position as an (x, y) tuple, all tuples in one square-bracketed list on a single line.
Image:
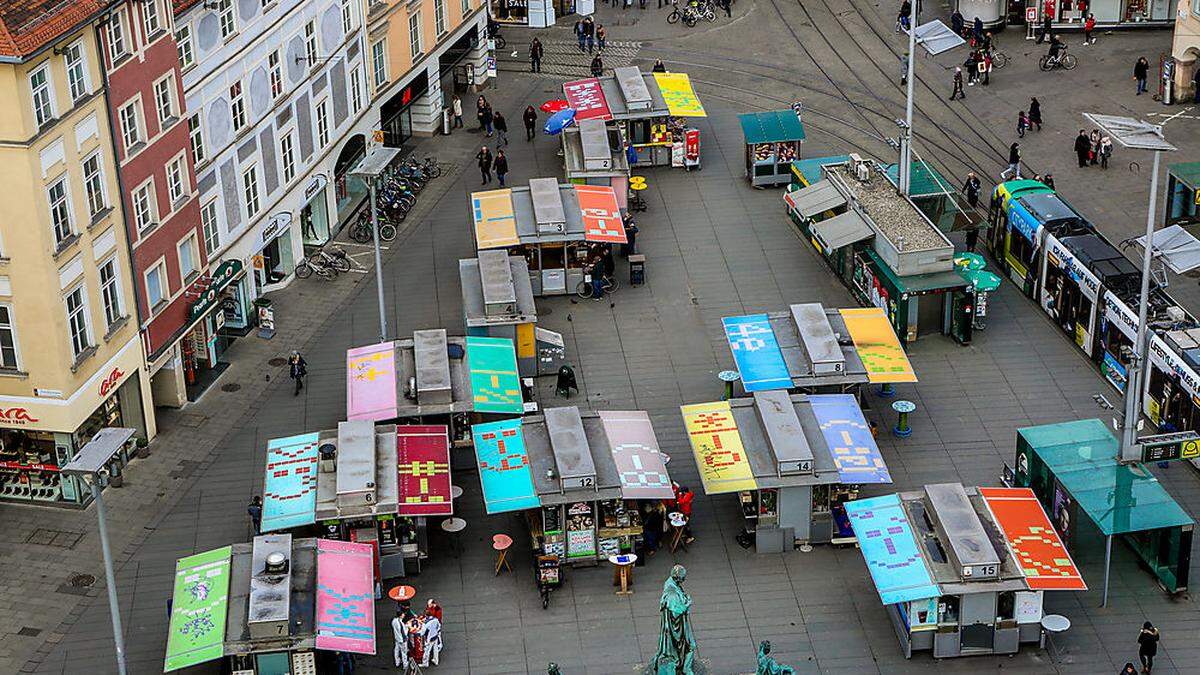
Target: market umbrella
[(559, 121), (969, 261), (554, 105), (983, 280)]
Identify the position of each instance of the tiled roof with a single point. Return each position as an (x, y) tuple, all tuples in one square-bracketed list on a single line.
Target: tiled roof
[(181, 5), (28, 25)]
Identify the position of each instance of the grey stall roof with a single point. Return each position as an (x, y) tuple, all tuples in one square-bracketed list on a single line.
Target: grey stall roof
[(527, 225), (763, 463), (798, 362), (302, 607), (474, 308), (621, 110), (387, 482), (577, 161), (541, 459), (817, 198), (842, 230), (408, 402)]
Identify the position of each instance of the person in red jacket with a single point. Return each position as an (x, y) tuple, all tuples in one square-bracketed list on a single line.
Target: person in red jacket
[(683, 498)]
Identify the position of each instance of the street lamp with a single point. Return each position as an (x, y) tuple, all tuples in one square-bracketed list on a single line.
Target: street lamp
[(368, 170), (91, 465)]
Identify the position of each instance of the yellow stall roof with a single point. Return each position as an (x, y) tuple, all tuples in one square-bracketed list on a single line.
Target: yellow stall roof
[(717, 445), (878, 346), (676, 89), (495, 224)]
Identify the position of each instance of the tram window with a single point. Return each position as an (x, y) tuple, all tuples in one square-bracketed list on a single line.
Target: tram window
[(1020, 248)]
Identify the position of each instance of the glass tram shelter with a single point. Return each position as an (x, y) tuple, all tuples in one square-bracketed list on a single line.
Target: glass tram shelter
[(962, 571), (1183, 194), (1072, 468), (794, 460)]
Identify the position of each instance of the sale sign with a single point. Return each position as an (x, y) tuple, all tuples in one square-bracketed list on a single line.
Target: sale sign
[(587, 98), (601, 215)]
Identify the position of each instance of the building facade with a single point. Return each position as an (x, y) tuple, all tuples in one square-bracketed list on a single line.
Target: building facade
[(1185, 48), (70, 353)]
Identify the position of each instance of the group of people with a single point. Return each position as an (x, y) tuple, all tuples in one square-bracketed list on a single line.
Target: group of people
[(590, 34), (418, 638), (978, 64), (1094, 148), (655, 514)]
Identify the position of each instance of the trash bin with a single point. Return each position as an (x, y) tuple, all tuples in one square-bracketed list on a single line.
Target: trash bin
[(637, 269)]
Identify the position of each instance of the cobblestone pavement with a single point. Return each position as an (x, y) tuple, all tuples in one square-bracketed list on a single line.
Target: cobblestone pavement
[(714, 247)]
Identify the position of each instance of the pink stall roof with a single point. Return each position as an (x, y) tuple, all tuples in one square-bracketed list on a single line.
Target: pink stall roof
[(345, 596), (371, 382)]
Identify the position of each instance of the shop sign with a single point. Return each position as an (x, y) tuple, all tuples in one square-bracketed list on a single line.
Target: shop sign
[(47, 393), (579, 509), (1162, 356), (27, 467), (1115, 310), (273, 227), (218, 280), (17, 415), (1064, 260), (111, 381), (318, 183)]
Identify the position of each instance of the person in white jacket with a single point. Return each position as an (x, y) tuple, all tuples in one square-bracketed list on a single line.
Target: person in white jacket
[(432, 633), (400, 634)]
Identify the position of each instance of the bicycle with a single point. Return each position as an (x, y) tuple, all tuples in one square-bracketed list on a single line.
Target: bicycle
[(999, 59), (363, 231), (584, 289), (428, 167), (320, 263), (688, 15), (1064, 60)]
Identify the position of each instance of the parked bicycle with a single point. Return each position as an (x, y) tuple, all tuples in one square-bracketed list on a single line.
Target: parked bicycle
[(363, 230), (999, 59), (324, 264)]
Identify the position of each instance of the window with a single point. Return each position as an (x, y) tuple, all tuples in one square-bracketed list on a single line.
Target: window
[(347, 15), (237, 106), (197, 135), (143, 205), (39, 85), (310, 43), (266, 3), (276, 74), (414, 34), (117, 48), (131, 133), (77, 74), (439, 17), (225, 14), (156, 283), (379, 63), (93, 185), (110, 291), (356, 90), (466, 7), (150, 18), (60, 211), (164, 99), (287, 152), (250, 191), (323, 123), (177, 182), (8, 339), (183, 42), (208, 222), (77, 321), (187, 258)]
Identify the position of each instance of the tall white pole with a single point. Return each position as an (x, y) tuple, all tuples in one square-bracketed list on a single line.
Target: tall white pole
[(905, 168), (110, 578), (378, 264), (1133, 383)]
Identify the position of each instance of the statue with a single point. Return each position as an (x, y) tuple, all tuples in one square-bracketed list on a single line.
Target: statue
[(767, 664), (676, 644)]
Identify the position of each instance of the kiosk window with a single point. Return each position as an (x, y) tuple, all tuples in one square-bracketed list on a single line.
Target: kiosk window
[(948, 609), (553, 257), (639, 131), (1006, 606)]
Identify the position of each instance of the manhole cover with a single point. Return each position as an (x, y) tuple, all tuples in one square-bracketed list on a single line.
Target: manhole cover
[(276, 362), (81, 581), (29, 631), (231, 387)]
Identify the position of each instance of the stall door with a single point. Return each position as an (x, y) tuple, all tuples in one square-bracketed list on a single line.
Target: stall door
[(977, 617), (795, 511)]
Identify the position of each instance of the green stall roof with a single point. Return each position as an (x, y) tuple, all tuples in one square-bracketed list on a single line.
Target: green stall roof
[(809, 170), (1187, 172), (926, 181), (1119, 498), (775, 126)]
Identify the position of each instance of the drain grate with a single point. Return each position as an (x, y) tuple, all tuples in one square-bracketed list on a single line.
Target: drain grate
[(57, 538), (276, 362), (231, 387), (81, 580), (29, 631)]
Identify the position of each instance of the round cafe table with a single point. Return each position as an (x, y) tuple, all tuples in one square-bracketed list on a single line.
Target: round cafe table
[(729, 377), (455, 492), (1054, 624), (453, 527), (623, 571), (903, 408), (678, 521), (402, 593)]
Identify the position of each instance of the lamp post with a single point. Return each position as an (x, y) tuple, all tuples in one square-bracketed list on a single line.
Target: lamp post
[(368, 170), (904, 171), (91, 464)]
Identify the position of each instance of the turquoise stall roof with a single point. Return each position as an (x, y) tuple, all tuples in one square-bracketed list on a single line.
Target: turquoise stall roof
[(926, 181), (774, 126), (1187, 172), (809, 170), (1119, 498)]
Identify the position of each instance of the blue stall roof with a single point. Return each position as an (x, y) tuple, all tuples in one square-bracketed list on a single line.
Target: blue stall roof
[(1119, 498), (809, 170), (774, 126), (849, 437), (890, 550)]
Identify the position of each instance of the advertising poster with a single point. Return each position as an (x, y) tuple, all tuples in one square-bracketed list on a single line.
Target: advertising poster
[(199, 603), (587, 98)]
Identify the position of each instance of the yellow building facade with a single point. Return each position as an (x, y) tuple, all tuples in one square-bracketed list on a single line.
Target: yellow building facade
[(1185, 48)]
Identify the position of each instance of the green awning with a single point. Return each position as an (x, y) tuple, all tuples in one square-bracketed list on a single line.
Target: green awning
[(1186, 172), (775, 126), (918, 283), (808, 171)]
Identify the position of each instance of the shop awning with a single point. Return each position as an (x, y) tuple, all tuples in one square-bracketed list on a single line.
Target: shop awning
[(850, 440), (842, 230), (495, 222), (890, 550), (774, 126), (817, 198), (636, 454), (1040, 552), (371, 382), (290, 482), (877, 345), (345, 590), (677, 91), (601, 214), (423, 463), (504, 472), (495, 384), (756, 352), (717, 445), (200, 599)]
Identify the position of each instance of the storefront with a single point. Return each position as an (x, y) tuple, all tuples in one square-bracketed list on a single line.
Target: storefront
[(594, 154), (1183, 194), (1070, 14), (314, 215), (773, 141), (273, 263), (395, 116), (917, 305), (350, 192), (40, 434), (794, 460), (216, 317)]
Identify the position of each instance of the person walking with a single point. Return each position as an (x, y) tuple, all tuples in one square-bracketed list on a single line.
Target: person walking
[(431, 633), (1014, 162), (530, 119), (1044, 34), (484, 158), (972, 67), (501, 166), (456, 111), (601, 36), (589, 32), (1141, 70), (501, 126), (902, 17), (580, 36), (971, 188), (1148, 646), (1089, 25), (958, 85), (1082, 147), (904, 70), (1094, 150), (597, 66), (660, 68), (489, 118), (957, 23), (1022, 124), (1035, 113), (985, 66), (297, 369), (255, 513), (727, 5), (481, 106), (535, 56)]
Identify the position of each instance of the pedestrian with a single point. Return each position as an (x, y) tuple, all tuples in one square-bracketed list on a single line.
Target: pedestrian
[(631, 229), (501, 166), (1089, 25), (902, 17), (972, 239), (589, 31), (432, 608), (1082, 147), (977, 30), (971, 189), (530, 119), (400, 636), (597, 273), (985, 65), (653, 521), (297, 369), (1106, 150), (597, 66), (431, 633), (1094, 150), (535, 56), (1047, 18), (255, 512), (601, 36), (957, 23), (727, 5), (1141, 70), (1022, 124), (1128, 670), (1048, 180), (1148, 646), (1014, 162), (481, 106), (683, 501), (1035, 113), (971, 65), (501, 126), (958, 85), (660, 68), (580, 36), (484, 157), (904, 70), (489, 119), (456, 110)]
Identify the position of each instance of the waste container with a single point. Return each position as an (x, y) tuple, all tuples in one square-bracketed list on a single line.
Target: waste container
[(637, 269)]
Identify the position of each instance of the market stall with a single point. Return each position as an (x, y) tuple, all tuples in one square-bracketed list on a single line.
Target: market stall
[(554, 227), (795, 460), (949, 583), (650, 109), (498, 302), (816, 350), (594, 154), (580, 478), (773, 142), (275, 605)]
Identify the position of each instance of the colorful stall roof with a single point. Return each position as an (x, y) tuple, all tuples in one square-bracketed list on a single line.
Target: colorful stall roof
[(345, 596), (587, 98), (601, 214), (849, 438), (495, 222), (423, 460), (200, 601), (636, 454), (756, 352), (371, 382), (495, 384), (720, 456), (290, 482), (677, 91), (877, 345), (890, 550), (1044, 559), (504, 469)]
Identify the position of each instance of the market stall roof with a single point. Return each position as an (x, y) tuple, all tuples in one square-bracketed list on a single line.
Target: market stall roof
[(496, 290), (808, 171), (1118, 498), (920, 283), (754, 443), (1187, 173), (811, 200), (842, 230), (590, 155), (629, 93), (362, 481), (545, 212), (1039, 550), (889, 547), (201, 588), (300, 620), (773, 126), (926, 181)]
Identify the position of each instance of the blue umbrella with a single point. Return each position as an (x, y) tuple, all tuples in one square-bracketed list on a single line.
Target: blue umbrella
[(559, 121)]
